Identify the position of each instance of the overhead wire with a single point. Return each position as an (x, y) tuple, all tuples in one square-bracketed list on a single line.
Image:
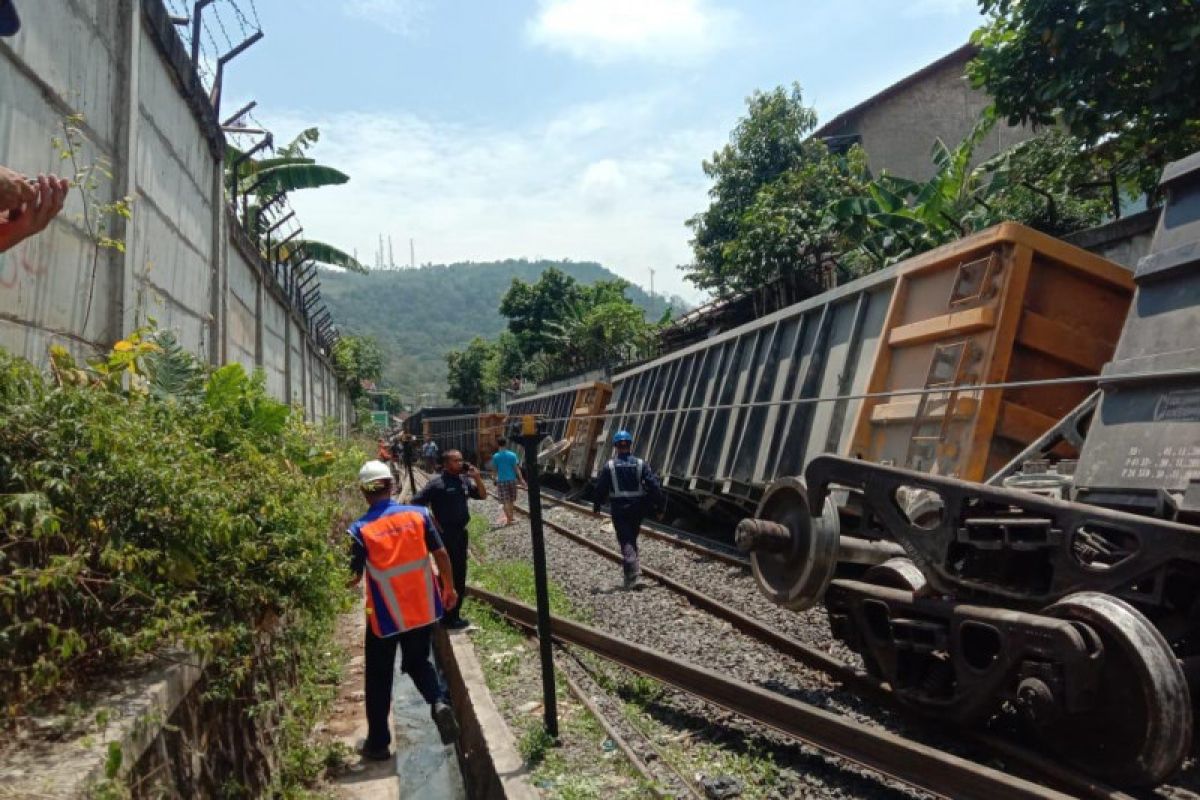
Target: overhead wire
[(966, 388)]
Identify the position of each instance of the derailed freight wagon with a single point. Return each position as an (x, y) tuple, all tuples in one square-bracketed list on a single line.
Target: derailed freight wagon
[(1064, 603), (451, 427), (722, 419), (574, 419)]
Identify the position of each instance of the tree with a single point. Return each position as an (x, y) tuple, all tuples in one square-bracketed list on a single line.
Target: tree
[(357, 359), (468, 373), (1122, 73), (531, 308), (1043, 182), (771, 186)]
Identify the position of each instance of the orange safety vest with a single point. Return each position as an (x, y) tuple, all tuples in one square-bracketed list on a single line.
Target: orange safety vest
[(400, 587)]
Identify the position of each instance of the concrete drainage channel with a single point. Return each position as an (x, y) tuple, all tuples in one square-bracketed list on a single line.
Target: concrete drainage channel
[(491, 766)]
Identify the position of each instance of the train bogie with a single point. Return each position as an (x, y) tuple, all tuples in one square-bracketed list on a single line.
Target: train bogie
[(1063, 597)]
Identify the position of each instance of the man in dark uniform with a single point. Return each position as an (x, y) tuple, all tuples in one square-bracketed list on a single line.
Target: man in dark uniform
[(632, 489), (446, 496)]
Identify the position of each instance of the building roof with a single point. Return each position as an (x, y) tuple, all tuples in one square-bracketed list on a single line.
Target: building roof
[(833, 126)]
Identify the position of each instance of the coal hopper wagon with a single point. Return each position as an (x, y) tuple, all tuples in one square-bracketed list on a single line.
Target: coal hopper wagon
[(451, 427), (1048, 579), (725, 419)]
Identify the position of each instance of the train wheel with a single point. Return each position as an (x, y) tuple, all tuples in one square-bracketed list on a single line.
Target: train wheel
[(795, 571), (1141, 729)]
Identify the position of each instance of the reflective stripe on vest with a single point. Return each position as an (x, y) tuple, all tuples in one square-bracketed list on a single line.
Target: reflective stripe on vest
[(617, 491), (399, 572)]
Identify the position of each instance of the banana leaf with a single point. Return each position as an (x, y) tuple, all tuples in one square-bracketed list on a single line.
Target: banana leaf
[(326, 254)]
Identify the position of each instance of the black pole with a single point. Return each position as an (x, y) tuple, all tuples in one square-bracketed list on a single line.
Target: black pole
[(408, 459), (532, 431)]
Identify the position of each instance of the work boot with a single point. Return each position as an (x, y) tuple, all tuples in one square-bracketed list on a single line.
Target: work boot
[(447, 725), (631, 580), (374, 753)]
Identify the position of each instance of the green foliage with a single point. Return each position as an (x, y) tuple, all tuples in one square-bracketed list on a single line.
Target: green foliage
[(357, 359), (897, 218), (470, 378), (1054, 183), (146, 503), (1043, 182), (534, 744), (556, 327), (1123, 73), (771, 186), (327, 254), (419, 315), (287, 171)]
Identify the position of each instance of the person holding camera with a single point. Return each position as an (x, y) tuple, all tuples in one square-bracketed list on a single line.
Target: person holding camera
[(446, 496)]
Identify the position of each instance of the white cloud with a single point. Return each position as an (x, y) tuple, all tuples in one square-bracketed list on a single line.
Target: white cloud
[(402, 17), (612, 192), (603, 31)]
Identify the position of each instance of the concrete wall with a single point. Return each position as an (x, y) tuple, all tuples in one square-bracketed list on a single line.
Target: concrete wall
[(120, 65), (899, 125)]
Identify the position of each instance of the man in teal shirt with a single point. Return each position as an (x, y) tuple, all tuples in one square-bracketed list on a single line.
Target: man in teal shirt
[(507, 479)]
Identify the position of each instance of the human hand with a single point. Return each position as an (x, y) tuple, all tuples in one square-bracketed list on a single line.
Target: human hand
[(15, 190), (24, 220), (449, 596)]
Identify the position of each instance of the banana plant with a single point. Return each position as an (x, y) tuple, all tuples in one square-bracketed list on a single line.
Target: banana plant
[(260, 181), (898, 218)]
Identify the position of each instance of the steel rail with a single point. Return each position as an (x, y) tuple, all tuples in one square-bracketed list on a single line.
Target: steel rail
[(886, 753), (857, 681), (811, 656), (676, 539), (622, 744)]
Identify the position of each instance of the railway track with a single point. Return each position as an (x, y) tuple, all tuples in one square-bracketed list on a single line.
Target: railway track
[(851, 678), (1058, 781), (918, 765)]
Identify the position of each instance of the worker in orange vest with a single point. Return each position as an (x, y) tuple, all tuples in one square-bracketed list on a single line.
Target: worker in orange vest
[(393, 544)]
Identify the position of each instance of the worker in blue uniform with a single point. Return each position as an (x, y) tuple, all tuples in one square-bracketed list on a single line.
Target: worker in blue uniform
[(632, 490)]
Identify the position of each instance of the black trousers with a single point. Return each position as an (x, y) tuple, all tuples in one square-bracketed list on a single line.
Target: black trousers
[(379, 668), (628, 526), (455, 540)]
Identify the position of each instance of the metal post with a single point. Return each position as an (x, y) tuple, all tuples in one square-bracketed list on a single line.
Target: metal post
[(531, 432), (408, 463), (196, 23)]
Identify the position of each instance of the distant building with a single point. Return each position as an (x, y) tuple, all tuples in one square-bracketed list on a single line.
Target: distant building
[(897, 127)]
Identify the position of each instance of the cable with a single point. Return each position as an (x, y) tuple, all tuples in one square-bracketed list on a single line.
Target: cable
[(961, 388)]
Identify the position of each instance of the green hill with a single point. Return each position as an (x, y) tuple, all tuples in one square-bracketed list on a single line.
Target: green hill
[(418, 315)]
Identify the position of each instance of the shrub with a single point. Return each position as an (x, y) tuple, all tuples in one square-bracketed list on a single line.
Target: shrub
[(147, 500)]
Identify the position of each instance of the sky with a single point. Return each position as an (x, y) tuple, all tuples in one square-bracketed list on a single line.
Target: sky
[(491, 129)]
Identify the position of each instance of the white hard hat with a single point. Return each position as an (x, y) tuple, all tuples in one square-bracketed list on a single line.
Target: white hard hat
[(373, 472)]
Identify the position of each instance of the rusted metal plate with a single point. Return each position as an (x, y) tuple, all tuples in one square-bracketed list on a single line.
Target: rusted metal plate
[(1006, 305), (573, 413)]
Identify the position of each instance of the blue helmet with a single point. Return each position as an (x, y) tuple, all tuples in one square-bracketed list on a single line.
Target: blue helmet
[(622, 436)]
